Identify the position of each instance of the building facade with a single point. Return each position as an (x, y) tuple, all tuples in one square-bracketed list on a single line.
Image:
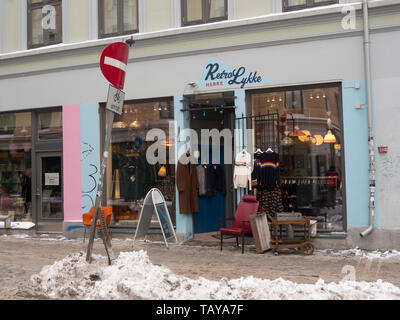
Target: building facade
[(291, 71)]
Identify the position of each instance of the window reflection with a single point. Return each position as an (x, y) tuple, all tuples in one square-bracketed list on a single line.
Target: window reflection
[(129, 175), (15, 166), (310, 162)]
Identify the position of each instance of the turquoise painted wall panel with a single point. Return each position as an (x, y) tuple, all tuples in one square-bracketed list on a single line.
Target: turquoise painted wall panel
[(90, 154), (356, 153), (184, 222)]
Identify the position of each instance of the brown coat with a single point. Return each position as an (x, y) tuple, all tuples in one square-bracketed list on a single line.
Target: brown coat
[(188, 185)]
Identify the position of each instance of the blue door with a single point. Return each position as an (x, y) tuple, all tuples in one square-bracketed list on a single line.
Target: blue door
[(211, 208)]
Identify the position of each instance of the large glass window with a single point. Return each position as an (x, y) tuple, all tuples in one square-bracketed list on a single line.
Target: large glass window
[(50, 125), (290, 5), (310, 150), (117, 17), (15, 166), (44, 23), (203, 11), (129, 175)]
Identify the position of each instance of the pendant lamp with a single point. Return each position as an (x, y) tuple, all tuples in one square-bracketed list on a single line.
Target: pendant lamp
[(329, 137), (297, 132)]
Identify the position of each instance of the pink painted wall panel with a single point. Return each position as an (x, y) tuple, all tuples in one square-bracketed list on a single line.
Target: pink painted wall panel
[(72, 163)]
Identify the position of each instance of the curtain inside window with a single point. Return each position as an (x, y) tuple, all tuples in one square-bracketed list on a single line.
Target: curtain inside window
[(37, 30), (110, 16), (217, 8), (292, 3), (130, 15), (194, 10)]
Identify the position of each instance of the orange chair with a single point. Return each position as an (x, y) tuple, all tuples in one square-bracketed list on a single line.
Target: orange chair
[(87, 218)]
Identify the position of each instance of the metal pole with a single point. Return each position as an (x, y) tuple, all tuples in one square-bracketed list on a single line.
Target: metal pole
[(371, 146), (100, 186)]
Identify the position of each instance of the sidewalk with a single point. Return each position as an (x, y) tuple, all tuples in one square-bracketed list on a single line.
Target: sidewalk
[(22, 256)]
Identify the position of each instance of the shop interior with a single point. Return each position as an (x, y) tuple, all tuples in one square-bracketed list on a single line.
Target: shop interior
[(212, 111), (129, 176), (309, 126)]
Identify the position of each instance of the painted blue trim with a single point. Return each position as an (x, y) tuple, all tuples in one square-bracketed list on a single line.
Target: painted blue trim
[(240, 111), (90, 154), (184, 222), (355, 128), (69, 228)]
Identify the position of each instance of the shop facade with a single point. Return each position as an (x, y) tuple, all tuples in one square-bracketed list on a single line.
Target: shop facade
[(299, 77)]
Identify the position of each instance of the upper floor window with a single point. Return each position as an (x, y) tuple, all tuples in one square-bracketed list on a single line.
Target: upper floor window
[(44, 23), (291, 5), (203, 11), (117, 17)]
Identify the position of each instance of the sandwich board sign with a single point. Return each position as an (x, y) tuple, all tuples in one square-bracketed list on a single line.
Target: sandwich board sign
[(155, 203)]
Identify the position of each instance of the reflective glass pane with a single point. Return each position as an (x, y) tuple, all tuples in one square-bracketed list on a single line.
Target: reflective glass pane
[(310, 151), (37, 30), (292, 3), (51, 191), (130, 175), (130, 14), (50, 125), (15, 166), (217, 8), (55, 35), (194, 10), (110, 16)]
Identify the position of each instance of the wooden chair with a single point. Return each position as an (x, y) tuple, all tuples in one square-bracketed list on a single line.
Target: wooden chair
[(87, 218), (241, 221)]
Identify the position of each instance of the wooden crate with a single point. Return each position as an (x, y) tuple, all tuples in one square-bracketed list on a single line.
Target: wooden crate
[(260, 230)]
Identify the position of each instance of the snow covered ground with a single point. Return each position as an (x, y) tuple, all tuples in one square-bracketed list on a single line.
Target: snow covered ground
[(357, 252), (133, 276)]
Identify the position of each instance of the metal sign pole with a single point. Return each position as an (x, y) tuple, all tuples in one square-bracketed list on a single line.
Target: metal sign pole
[(99, 191)]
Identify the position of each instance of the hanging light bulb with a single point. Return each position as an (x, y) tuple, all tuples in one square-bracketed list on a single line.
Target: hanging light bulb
[(329, 137), (273, 98), (268, 99), (280, 99), (311, 97)]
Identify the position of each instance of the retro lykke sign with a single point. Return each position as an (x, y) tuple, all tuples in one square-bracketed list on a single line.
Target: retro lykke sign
[(113, 62)]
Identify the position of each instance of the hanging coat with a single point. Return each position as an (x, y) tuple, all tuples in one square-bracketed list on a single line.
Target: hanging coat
[(188, 185)]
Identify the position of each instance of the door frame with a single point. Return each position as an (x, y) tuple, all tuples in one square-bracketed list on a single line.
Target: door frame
[(37, 184)]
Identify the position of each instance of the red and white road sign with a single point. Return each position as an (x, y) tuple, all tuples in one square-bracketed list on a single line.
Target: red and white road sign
[(113, 62)]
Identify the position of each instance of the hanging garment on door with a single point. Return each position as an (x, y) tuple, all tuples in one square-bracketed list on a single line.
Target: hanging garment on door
[(268, 171), (201, 175), (242, 170), (215, 178), (188, 184)]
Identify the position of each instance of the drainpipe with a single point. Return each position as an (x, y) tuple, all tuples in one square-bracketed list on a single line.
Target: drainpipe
[(370, 127)]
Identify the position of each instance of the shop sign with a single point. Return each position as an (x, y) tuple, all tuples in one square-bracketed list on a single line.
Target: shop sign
[(113, 63), (115, 100), (51, 179), (154, 203), (216, 75)]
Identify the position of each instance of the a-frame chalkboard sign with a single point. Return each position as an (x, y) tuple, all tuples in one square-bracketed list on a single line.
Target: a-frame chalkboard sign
[(154, 202)]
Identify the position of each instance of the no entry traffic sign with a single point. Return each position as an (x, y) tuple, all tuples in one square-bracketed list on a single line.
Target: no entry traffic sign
[(113, 62)]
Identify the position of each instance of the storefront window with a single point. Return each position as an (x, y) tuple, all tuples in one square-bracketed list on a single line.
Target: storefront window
[(129, 175), (50, 125), (15, 166), (309, 131)]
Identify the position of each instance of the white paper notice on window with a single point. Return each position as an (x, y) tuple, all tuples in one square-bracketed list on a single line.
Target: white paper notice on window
[(51, 179)]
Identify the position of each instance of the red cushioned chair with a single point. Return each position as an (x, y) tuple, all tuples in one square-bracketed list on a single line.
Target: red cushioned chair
[(241, 222)]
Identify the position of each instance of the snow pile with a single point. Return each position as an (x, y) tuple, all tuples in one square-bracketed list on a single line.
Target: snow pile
[(133, 276), (357, 252)]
